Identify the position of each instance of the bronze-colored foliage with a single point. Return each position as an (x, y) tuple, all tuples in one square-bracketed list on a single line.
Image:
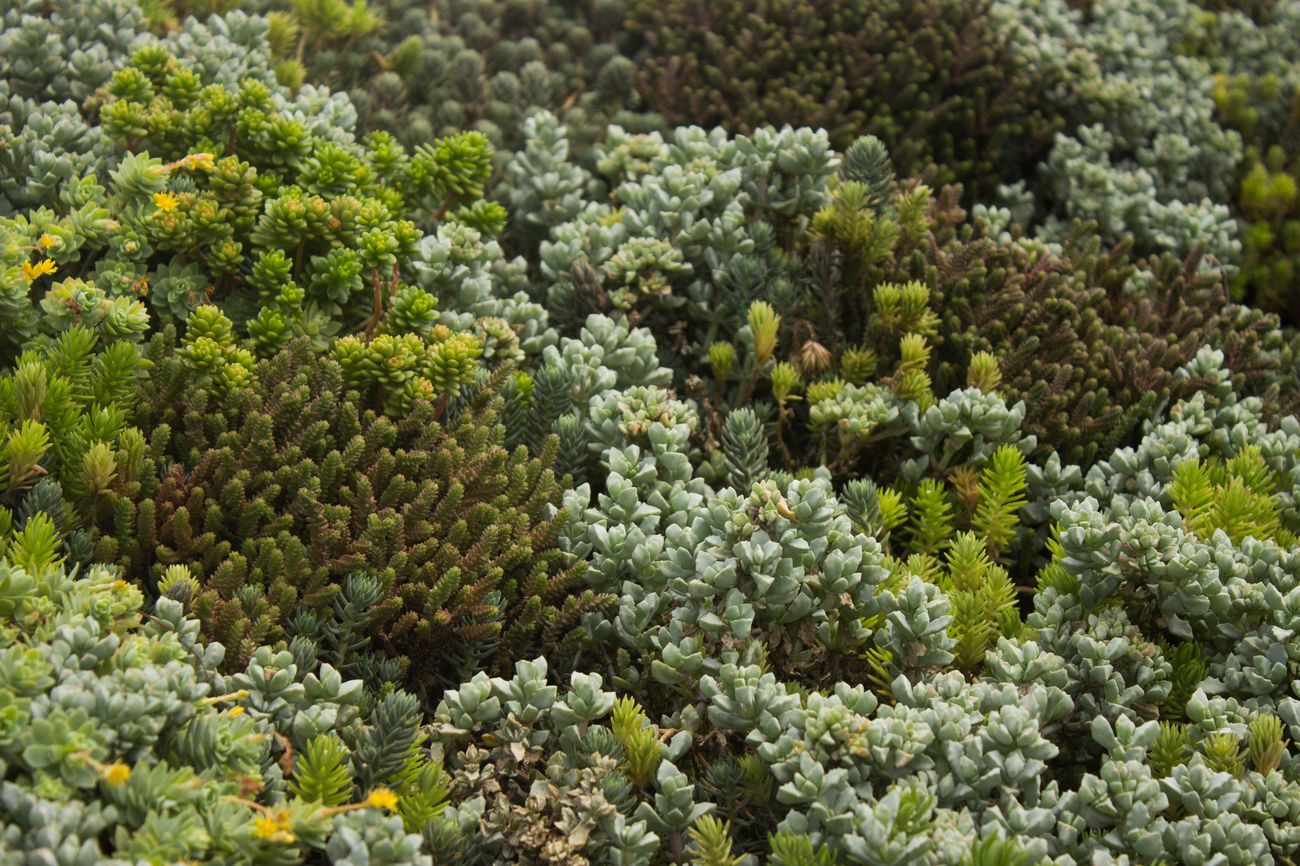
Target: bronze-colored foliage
[(275, 493)]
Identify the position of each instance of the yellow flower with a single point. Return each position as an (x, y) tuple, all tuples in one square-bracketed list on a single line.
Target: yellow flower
[(49, 241), (115, 773), (164, 201), (38, 270), (382, 798), (274, 826), (236, 711), (199, 162)]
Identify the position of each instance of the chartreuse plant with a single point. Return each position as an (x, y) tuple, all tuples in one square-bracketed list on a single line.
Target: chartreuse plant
[(64, 435), (1182, 551), (981, 594), (1237, 496), (121, 742), (984, 501), (224, 197), (397, 370), (278, 482), (1270, 206), (32, 249), (1262, 106)]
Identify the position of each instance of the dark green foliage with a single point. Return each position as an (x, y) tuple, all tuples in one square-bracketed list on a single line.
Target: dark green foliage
[(872, 510), (935, 79), (341, 636), (422, 69), (1090, 357), (1260, 10), (548, 401), (573, 458), (1088, 339), (867, 162), (381, 750), (1189, 670), (1269, 203), (276, 495)]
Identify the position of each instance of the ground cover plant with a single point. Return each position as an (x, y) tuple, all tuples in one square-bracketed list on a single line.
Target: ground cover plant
[(628, 433)]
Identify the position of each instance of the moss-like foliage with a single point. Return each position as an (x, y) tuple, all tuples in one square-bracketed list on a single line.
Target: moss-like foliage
[(935, 79), (275, 492)]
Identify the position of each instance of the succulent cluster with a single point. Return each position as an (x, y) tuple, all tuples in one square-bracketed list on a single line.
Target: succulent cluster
[(123, 743), (629, 433), (223, 191), (423, 70), (937, 81), (291, 499)]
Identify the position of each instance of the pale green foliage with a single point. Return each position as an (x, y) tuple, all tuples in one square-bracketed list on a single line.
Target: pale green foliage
[(135, 747)]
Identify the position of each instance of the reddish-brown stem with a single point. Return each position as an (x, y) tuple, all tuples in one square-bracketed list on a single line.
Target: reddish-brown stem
[(379, 304), (446, 206)]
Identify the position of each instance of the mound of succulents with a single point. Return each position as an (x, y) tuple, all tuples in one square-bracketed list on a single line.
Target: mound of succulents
[(630, 433)]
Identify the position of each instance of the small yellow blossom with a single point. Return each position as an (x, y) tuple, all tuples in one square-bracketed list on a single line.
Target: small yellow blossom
[(382, 798), (49, 241), (164, 201), (199, 162), (274, 826), (38, 270), (115, 773), (236, 711)]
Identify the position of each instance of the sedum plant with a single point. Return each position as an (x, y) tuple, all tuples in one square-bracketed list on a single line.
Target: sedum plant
[(646, 495), (226, 195), (277, 481), (66, 440), (1206, 548), (562, 776), (421, 71), (848, 294), (937, 81), (122, 743)]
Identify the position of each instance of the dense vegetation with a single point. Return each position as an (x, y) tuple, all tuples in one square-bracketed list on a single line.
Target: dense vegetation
[(638, 433)]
